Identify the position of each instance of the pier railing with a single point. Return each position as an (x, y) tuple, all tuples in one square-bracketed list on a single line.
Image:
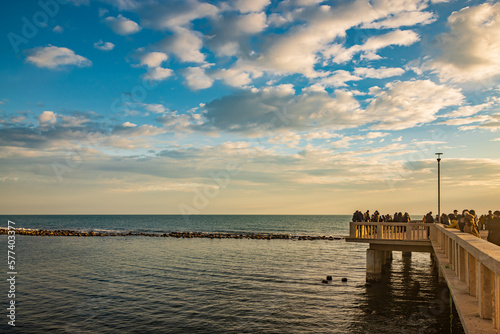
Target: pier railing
[(474, 267), (414, 231)]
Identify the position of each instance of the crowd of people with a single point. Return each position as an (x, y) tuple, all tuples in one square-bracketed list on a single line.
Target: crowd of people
[(398, 217), (468, 221)]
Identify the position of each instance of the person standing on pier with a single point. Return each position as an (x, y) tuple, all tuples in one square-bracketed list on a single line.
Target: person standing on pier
[(488, 219), (428, 219), (494, 228)]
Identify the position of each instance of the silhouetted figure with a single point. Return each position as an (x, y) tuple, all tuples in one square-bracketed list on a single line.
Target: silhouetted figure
[(494, 228)]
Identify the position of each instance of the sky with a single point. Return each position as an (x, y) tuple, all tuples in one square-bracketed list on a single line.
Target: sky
[(248, 106)]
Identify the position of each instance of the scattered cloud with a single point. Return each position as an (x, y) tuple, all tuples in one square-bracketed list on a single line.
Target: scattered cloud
[(54, 57), (379, 73), (47, 117), (246, 6), (197, 79), (153, 59), (398, 37), (158, 74), (406, 104), (104, 46), (122, 25), (185, 44), (58, 29)]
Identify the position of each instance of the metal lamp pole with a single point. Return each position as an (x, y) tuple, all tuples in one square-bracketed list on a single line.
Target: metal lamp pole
[(439, 186)]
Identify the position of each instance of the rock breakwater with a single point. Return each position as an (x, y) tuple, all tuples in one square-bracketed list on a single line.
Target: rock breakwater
[(262, 236)]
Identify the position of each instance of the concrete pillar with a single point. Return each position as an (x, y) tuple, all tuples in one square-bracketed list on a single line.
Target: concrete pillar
[(374, 261), (485, 292), (388, 256), (473, 276), (407, 254)]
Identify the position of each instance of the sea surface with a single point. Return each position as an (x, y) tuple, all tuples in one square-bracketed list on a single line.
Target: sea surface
[(140, 284)]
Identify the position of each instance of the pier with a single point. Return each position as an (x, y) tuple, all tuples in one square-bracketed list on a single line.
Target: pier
[(469, 265)]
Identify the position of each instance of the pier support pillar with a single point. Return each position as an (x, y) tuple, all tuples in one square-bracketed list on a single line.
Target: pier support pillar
[(407, 254), (374, 260), (388, 256)]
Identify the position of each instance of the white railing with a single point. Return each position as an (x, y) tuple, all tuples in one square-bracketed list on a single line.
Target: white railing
[(476, 263), (415, 231)]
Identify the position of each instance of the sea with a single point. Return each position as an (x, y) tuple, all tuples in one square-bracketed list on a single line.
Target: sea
[(141, 284)]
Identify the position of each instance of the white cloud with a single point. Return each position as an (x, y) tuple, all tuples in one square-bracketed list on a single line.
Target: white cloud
[(122, 25), (379, 73), (104, 46), (53, 57), (246, 6), (338, 79), (372, 44), (290, 138), (47, 117), (129, 125), (196, 78), (234, 77), (165, 15), (155, 107), (407, 104), (153, 59), (251, 23), (466, 111), (277, 108), (402, 19), (158, 74), (58, 29), (470, 50), (185, 44), (467, 120)]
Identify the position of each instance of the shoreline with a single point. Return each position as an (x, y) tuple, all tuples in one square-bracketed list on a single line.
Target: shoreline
[(210, 235)]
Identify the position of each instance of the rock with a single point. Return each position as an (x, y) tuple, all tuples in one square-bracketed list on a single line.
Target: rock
[(344, 279), (324, 281)]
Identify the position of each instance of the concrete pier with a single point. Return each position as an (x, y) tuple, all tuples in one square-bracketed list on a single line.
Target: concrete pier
[(469, 265)]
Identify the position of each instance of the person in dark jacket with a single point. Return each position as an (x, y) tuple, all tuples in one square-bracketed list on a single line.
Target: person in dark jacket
[(429, 219), (461, 220), (494, 229)]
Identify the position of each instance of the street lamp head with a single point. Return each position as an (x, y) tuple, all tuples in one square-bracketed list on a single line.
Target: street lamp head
[(439, 156)]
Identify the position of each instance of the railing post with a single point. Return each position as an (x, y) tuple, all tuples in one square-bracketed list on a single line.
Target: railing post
[(461, 263), (352, 230), (473, 276), (485, 292)]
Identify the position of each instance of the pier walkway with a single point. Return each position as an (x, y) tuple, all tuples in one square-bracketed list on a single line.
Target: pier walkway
[(469, 265)]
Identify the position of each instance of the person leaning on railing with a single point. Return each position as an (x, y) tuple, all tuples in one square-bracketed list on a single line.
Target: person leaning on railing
[(471, 223), (453, 221)]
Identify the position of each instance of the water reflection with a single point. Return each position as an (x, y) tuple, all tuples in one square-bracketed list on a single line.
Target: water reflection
[(399, 303)]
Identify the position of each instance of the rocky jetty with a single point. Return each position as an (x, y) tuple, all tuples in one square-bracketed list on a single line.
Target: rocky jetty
[(261, 236)]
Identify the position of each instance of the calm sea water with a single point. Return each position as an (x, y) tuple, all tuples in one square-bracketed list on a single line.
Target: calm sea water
[(169, 285)]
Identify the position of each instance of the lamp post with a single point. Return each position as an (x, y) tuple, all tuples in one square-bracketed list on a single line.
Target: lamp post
[(439, 186)]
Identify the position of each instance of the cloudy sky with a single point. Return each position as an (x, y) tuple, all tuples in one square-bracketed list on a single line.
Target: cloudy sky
[(248, 106)]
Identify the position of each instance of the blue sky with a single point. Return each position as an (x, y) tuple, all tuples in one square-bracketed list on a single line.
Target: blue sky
[(294, 106)]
